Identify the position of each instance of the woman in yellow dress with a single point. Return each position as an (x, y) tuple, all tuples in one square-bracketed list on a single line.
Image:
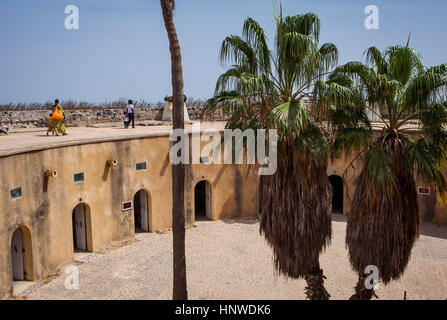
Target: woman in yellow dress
[(56, 122)]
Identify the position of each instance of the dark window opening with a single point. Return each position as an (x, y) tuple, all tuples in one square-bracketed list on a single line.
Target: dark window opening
[(141, 166), (16, 193), (205, 160), (79, 177)]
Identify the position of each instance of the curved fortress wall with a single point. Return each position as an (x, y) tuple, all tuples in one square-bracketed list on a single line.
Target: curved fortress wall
[(43, 207)]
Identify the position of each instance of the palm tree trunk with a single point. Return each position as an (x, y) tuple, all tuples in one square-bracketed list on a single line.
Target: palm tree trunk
[(361, 293), (180, 291), (295, 218), (315, 289)]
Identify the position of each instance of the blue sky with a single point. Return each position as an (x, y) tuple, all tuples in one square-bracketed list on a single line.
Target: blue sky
[(121, 48)]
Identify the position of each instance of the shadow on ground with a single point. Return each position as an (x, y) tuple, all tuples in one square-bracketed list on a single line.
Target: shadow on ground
[(241, 220), (339, 217), (429, 229), (433, 230)]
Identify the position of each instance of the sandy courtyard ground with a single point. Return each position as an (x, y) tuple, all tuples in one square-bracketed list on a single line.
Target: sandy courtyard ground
[(230, 260)]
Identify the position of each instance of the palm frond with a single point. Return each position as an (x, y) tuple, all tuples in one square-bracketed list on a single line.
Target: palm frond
[(327, 56), (375, 58), (290, 118), (404, 62), (257, 39), (423, 87), (378, 164), (313, 141), (236, 51)]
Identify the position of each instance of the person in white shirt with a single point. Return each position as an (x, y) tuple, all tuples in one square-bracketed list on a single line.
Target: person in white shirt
[(130, 113)]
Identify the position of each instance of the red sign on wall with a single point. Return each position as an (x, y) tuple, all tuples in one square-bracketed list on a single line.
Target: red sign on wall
[(126, 205), (424, 191)]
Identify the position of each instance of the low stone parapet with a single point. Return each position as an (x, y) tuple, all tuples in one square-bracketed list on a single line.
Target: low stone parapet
[(84, 117)]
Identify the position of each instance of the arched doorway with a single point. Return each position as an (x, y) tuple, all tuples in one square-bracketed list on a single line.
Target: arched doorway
[(337, 193), (21, 255), (141, 211), (81, 228), (202, 200)]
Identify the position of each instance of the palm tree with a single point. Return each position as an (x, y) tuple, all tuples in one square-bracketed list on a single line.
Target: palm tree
[(180, 291), (271, 89), (383, 224)]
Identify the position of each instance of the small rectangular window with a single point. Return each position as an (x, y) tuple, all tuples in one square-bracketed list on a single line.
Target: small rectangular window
[(205, 160), (16, 193), (141, 166), (79, 177)]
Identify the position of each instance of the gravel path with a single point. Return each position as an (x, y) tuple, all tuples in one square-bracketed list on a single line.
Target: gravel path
[(230, 260)]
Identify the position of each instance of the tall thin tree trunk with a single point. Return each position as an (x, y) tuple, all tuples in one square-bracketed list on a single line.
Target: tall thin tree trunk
[(180, 291)]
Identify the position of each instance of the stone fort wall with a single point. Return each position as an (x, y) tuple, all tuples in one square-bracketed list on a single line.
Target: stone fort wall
[(44, 208), (85, 117)]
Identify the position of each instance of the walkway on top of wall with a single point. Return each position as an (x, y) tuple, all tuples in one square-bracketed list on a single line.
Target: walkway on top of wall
[(35, 139)]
